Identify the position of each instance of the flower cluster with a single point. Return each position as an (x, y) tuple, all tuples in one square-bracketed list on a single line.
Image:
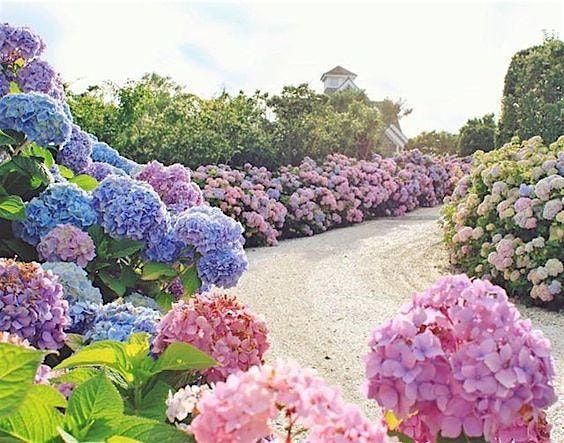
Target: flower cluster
[(83, 299), (103, 153), (173, 185), (67, 243), (60, 203), (244, 406), (100, 170), (506, 222), (118, 320), (75, 152), (19, 43), (38, 116), (32, 304), (313, 197), (128, 208), (459, 359), (219, 325)]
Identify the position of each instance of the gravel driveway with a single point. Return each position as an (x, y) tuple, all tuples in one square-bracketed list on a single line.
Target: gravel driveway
[(321, 296)]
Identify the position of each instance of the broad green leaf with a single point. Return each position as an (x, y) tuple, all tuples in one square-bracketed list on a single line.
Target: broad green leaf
[(115, 284), (36, 420), (74, 341), (14, 88), (49, 396), (164, 300), (67, 438), (65, 172), (104, 353), (147, 430), (190, 280), (153, 404), (84, 181), (34, 150), (37, 173), (93, 400), (123, 248), (6, 139), (154, 271), (180, 356), (121, 439), (77, 376), (129, 277), (18, 367), (12, 208)]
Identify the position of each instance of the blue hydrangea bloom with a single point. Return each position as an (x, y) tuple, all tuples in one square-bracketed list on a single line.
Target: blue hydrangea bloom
[(59, 203), (100, 170), (117, 321), (102, 152), (4, 84), (207, 229), (75, 152), (83, 298), (37, 115), (222, 268), (163, 247), (128, 208)]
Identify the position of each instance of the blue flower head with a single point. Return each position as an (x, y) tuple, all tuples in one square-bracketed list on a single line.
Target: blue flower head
[(75, 153), (38, 116), (101, 152), (222, 268), (60, 203)]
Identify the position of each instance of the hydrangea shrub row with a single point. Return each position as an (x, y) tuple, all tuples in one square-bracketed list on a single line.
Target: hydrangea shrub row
[(505, 221), (312, 198)]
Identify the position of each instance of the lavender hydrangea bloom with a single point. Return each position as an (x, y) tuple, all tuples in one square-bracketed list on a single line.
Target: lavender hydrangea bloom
[(117, 321), (67, 243), (100, 170), (32, 304), (19, 42), (37, 115), (207, 229), (128, 208), (101, 152), (163, 247), (75, 153), (38, 76), (4, 84), (60, 203), (222, 268), (83, 298)]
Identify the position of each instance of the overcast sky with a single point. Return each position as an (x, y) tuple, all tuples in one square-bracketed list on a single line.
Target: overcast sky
[(447, 60)]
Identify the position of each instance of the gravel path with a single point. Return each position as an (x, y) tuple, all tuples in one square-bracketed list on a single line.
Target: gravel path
[(321, 296)]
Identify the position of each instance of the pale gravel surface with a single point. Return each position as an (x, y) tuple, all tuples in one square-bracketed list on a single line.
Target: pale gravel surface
[(322, 295)]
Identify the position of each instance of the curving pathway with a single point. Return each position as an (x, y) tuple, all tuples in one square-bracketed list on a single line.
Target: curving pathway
[(322, 295)]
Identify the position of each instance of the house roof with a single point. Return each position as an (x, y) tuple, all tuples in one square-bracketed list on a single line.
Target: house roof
[(396, 136), (338, 70)]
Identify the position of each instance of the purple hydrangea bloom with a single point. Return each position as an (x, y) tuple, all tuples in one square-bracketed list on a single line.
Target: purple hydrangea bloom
[(207, 229), (117, 321), (60, 203), (100, 170), (38, 76), (173, 185), (102, 152), (163, 247), (128, 208), (67, 243), (32, 304), (222, 268), (19, 42), (75, 153), (37, 115), (4, 84)]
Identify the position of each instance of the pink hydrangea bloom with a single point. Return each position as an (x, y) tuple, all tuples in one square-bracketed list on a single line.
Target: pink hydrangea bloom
[(460, 359), (219, 325), (67, 243), (242, 408)]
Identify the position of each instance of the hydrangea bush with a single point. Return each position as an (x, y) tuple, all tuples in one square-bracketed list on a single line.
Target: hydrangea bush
[(459, 360), (505, 221)]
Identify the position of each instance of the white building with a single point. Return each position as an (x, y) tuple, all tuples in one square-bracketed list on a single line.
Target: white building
[(338, 79)]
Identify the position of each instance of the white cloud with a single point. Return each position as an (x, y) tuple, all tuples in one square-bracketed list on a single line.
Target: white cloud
[(447, 60)]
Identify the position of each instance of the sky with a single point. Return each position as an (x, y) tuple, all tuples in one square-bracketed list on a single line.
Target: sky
[(446, 60)]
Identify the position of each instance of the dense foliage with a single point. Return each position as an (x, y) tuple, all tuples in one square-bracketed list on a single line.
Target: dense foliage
[(506, 220), (478, 134), (434, 142), (156, 118), (533, 94)]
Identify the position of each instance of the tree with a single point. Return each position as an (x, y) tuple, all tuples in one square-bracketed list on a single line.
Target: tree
[(477, 134), (435, 142), (533, 94)]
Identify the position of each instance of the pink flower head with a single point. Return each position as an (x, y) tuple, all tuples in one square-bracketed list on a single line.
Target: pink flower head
[(67, 243), (219, 325)]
